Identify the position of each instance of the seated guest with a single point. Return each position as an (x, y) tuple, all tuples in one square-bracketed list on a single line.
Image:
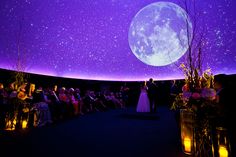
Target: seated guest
[(109, 100), (89, 101), (74, 109), (64, 101), (116, 101), (54, 105), (80, 101), (22, 92), (22, 107), (12, 101), (43, 112), (101, 101), (12, 92), (12, 96)]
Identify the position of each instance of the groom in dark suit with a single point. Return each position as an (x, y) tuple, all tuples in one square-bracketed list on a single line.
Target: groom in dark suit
[(152, 94)]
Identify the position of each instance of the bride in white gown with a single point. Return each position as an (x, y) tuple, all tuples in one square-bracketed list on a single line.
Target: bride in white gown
[(143, 102)]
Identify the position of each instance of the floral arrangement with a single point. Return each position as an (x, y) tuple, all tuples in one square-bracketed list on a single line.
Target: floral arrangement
[(197, 98), (198, 90)]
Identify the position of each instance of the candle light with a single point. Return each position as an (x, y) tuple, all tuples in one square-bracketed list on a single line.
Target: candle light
[(8, 125), (186, 124), (223, 152), (223, 144), (11, 125), (14, 124), (187, 144), (24, 124)]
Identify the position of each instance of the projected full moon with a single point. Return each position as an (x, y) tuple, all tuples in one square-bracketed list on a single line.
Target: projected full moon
[(158, 33)]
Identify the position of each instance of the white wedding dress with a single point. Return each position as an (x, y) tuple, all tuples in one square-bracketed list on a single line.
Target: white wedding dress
[(143, 102)]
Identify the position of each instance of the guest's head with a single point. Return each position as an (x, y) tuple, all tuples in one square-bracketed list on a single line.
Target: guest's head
[(1, 86), (40, 88), (173, 82), (22, 87), (55, 88), (151, 80), (32, 87), (77, 90), (62, 90), (71, 90), (13, 86)]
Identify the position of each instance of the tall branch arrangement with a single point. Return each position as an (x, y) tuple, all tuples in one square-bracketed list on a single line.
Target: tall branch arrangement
[(198, 83), (19, 73), (195, 34)]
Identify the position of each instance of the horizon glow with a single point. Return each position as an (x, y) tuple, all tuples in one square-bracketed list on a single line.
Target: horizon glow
[(89, 39)]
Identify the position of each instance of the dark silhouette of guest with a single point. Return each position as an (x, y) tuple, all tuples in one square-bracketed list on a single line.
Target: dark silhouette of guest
[(174, 88), (226, 100), (222, 95), (152, 94), (124, 95), (54, 105)]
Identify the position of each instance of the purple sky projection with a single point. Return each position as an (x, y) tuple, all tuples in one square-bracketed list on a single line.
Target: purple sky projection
[(88, 39)]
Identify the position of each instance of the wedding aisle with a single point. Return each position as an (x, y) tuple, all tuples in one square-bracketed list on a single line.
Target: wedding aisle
[(115, 133)]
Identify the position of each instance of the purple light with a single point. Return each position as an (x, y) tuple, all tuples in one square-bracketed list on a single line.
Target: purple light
[(89, 39)]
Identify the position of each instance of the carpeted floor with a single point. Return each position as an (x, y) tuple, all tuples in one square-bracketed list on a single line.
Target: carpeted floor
[(115, 133)]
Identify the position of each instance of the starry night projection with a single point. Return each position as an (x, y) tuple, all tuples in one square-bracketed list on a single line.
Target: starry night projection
[(121, 40)]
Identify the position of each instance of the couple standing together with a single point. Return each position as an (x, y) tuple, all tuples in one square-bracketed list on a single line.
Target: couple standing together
[(147, 98)]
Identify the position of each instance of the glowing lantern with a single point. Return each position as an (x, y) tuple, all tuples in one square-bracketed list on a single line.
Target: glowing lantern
[(187, 131), (24, 124), (222, 146), (187, 144), (10, 125), (223, 152)]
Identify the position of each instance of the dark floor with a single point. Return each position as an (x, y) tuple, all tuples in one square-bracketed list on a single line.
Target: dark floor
[(115, 133)]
